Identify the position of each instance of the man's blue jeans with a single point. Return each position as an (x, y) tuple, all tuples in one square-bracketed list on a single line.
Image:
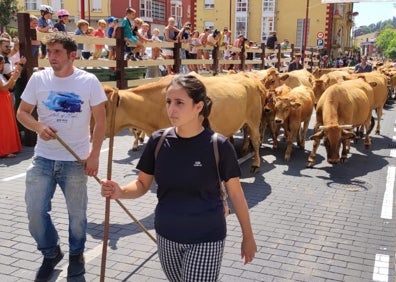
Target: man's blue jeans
[(41, 180)]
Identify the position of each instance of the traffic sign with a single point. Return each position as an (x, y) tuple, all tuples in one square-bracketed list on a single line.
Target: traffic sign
[(320, 35), (320, 43)]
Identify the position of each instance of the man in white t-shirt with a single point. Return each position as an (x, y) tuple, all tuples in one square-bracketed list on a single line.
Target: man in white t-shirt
[(65, 97)]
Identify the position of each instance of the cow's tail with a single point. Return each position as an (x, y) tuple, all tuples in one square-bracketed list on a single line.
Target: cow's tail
[(371, 125)]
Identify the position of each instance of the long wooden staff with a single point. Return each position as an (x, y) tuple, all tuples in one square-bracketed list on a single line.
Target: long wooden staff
[(141, 226), (107, 206)]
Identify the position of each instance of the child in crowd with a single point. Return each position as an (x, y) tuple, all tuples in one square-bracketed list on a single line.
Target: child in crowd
[(89, 49), (140, 42), (112, 23), (35, 43), (99, 32), (128, 23), (63, 19), (155, 51), (45, 25), (82, 28)]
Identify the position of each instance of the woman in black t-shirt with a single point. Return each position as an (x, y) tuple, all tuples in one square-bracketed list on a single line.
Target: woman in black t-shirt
[(189, 217)]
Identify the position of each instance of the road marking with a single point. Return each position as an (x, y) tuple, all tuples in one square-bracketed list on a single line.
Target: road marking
[(24, 174), (387, 203), (88, 256), (14, 177), (381, 268)]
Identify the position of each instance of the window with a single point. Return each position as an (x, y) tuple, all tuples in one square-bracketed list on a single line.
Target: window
[(158, 10), (300, 32), (96, 5), (209, 4), (145, 8), (241, 24), (267, 27), (241, 5), (31, 5), (177, 12), (267, 18), (209, 25), (268, 5)]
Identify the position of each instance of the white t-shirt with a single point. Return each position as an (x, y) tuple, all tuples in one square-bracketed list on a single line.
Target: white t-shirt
[(64, 104)]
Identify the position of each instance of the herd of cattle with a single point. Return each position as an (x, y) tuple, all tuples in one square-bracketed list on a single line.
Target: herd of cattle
[(266, 99)]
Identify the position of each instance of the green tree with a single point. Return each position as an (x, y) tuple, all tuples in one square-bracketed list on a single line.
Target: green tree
[(385, 38), (390, 51), (8, 8)]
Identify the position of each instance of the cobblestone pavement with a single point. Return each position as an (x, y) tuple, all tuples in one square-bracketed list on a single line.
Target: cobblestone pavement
[(329, 223)]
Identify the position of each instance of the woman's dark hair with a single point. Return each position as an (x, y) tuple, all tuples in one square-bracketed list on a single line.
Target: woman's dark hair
[(196, 90)]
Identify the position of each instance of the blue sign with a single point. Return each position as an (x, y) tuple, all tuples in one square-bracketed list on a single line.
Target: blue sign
[(320, 43)]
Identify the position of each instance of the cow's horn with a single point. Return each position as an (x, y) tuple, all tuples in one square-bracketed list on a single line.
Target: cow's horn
[(322, 127), (346, 126)]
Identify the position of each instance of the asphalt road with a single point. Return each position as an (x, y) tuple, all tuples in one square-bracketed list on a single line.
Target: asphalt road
[(327, 223)]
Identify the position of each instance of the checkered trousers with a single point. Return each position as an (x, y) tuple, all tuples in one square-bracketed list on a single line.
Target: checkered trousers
[(190, 262)]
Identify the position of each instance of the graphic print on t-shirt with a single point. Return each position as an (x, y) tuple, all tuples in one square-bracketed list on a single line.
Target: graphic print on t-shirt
[(65, 102)]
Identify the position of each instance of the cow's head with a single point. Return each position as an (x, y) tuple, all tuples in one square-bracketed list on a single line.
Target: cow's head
[(318, 89), (283, 107), (333, 136)]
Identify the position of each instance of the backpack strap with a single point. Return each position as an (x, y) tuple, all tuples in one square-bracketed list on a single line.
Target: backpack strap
[(223, 191), (160, 141), (216, 153)]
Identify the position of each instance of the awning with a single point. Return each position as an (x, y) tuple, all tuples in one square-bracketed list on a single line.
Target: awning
[(353, 1)]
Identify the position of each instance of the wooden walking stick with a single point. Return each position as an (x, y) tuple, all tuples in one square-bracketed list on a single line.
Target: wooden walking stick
[(107, 206), (141, 226)]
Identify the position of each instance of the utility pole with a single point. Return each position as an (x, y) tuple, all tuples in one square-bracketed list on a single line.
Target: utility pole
[(82, 4), (305, 31)]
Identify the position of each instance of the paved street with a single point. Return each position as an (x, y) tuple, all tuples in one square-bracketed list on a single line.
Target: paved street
[(329, 223)]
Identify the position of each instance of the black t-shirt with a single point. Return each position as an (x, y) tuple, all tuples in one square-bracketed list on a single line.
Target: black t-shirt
[(189, 208), (271, 42)]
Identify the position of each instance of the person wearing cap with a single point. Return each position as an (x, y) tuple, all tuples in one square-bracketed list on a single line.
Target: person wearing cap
[(45, 25), (295, 64), (82, 28), (112, 24), (63, 19)]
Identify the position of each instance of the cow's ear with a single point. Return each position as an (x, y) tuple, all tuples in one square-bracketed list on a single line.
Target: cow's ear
[(317, 136), (284, 76), (295, 105), (347, 134)]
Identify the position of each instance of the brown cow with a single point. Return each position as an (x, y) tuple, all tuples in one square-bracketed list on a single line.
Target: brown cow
[(293, 107), (291, 79), (379, 82), (326, 80), (236, 101), (318, 72), (342, 107)]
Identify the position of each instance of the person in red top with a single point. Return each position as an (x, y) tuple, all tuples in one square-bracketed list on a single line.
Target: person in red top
[(10, 142), (99, 32)]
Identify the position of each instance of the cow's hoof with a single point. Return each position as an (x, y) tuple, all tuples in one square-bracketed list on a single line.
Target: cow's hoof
[(134, 149), (254, 169), (343, 160), (377, 132), (367, 146)]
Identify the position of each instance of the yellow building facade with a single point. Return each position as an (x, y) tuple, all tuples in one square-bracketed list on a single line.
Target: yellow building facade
[(329, 25), (94, 9)]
